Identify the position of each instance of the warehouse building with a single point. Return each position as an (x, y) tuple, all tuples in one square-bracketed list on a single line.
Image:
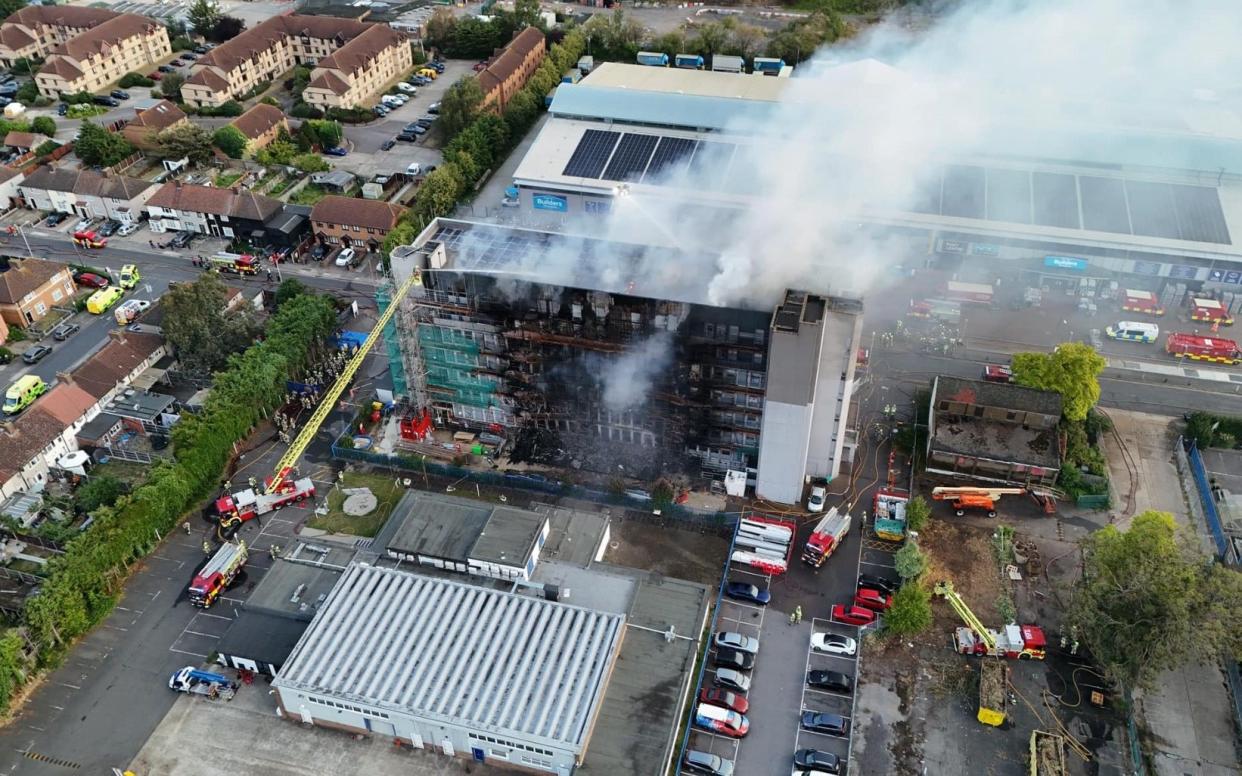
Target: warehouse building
[(490, 675)]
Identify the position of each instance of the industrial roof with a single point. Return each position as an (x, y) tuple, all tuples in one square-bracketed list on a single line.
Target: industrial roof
[(689, 111), (508, 537), (267, 638), (671, 80), (493, 661), (435, 525), (1006, 396), (299, 583)]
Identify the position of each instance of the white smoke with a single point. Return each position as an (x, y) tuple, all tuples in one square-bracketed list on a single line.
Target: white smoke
[(627, 379)]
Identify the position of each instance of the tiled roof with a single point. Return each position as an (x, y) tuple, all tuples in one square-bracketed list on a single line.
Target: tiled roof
[(358, 53), (86, 182), (221, 202), (23, 139), (115, 360), (103, 36), (207, 77), (61, 66), (25, 276), (259, 120), (266, 34), (67, 402), (77, 16), (330, 81), (161, 115), (25, 438), (351, 211), (510, 58), (14, 37)]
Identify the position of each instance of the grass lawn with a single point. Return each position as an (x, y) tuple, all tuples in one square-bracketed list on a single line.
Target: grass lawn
[(228, 178), (85, 111), (386, 491), (308, 195), (133, 474)]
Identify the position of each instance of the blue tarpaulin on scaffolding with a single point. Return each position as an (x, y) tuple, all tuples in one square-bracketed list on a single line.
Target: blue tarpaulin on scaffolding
[(349, 340)]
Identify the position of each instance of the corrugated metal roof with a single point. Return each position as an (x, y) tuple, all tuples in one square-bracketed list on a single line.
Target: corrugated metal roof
[(459, 654)]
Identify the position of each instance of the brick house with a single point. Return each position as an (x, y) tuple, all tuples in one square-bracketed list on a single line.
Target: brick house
[(260, 125), (225, 213), (512, 68), (143, 128), (29, 288), (354, 222), (349, 76)]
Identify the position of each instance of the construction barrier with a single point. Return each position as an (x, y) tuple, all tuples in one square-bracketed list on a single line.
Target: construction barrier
[(1206, 497)]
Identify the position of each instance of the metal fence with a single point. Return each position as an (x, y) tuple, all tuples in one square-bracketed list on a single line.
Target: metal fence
[(1208, 500), (1093, 502)]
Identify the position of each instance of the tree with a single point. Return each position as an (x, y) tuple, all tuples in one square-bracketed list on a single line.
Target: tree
[(100, 491), (1150, 601), (290, 289), (1073, 371), (918, 511), (185, 141), (44, 125), (311, 163), (474, 38), (27, 93), (227, 28), (277, 152), (203, 16), (439, 192), (327, 134), (709, 39), (402, 234), (9, 7), (440, 28), (910, 561), (231, 141), (910, 611), (198, 327), (459, 106), (170, 87), (97, 146), (526, 13)]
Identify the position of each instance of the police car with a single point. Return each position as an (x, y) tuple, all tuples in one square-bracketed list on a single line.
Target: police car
[(1133, 331), (723, 721)]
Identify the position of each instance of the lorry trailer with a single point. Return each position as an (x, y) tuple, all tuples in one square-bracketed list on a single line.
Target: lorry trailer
[(767, 565), (826, 537), (1133, 301), (1214, 349), (993, 678)]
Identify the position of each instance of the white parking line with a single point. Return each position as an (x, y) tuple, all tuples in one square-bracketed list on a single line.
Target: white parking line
[(213, 616), (183, 652), (200, 633), (873, 563)]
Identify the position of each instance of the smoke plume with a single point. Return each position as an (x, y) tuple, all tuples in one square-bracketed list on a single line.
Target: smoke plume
[(627, 379)]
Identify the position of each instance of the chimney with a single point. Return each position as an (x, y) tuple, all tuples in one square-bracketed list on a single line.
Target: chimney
[(9, 430), (66, 378), (118, 335)]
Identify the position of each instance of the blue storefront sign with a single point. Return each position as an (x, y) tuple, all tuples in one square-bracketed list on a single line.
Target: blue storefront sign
[(1065, 262), (551, 202), (983, 249), (1233, 277)]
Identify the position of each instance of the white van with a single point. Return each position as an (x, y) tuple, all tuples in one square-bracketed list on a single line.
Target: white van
[(1133, 331)]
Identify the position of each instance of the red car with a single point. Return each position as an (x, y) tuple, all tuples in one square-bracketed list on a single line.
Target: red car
[(89, 240), (872, 599), (725, 698), (852, 615), (91, 280), (155, 75)]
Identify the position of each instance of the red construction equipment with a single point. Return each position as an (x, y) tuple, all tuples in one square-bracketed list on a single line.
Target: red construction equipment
[(974, 498), (1192, 346)]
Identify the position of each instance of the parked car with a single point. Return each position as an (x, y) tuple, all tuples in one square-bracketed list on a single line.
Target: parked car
[(877, 583), (414, 168), (734, 640), (721, 721), (35, 354), (730, 700), (833, 644), (387, 144), (433, 108), (829, 680), (156, 75), (62, 109), (735, 658), (55, 219), (815, 503), (119, 94), (335, 151), (745, 591), (166, 69), (346, 256), (407, 137), (182, 239), (108, 228), (90, 280), (177, 63), (403, 86), (707, 763), (103, 99), (380, 110), (425, 122), (821, 722), (128, 229), (852, 615), (732, 680), (419, 80), (438, 67), (419, 129), (190, 55), (201, 49), (874, 600), (319, 251), (64, 331), (825, 762)]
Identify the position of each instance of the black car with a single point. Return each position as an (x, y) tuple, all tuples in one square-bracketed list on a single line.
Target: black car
[(201, 49), (408, 137), (62, 109), (387, 144), (108, 229), (55, 219), (882, 584), (165, 69), (189, 55), (834, 681), (817, 760), (822, 722), (119, 94), (426, 121), (36, 354), (735, 658), (708, 763), (64, 331), (319, 251)]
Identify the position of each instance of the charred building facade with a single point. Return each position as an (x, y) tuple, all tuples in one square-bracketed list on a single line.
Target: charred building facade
[(602, 356)]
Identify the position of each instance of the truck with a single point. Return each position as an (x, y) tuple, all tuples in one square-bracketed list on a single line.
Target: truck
[(127, 311), (130, 276), (1016, 642), (1210, 311), (22, 393), (1192, 346), (88, 239), (974, 498), (889, 514), (688, 61), (1133, 301), (968, 292), (235, 509), (652, 58), (217, 574), (99, 302), (193, 681), (941, 310), (236, 263), (826, 537)]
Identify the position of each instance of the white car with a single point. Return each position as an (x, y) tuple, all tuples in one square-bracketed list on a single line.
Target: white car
[(816, 501), (128, 229), (414, 169), (391, 100), (345, 257), (400, 99), (403, 86), (833, 644), (733, 640)]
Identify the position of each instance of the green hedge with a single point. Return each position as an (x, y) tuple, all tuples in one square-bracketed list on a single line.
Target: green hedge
[(1214, 430), (82, 585)]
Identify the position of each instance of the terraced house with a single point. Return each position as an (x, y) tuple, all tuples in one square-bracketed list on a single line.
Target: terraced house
[(99, 56), (350, 58)]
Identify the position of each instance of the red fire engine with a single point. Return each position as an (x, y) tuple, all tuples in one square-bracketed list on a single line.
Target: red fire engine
[(1221, 351), (248, 504), (826, 537), (1141, 302), (955, 291), (217, 574), (1210, 311)]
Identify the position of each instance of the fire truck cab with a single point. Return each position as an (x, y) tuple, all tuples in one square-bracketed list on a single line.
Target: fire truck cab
[(1210, 311)]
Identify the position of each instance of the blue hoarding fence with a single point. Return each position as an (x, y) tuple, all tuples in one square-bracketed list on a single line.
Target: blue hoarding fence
[(1209, 501)]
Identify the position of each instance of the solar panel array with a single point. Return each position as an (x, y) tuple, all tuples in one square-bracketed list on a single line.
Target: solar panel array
[(1092, 202), (640, 157)]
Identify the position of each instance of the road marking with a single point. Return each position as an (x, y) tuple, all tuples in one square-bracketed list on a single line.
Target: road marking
[(66, 684), (200, 633), (217, 616), (52, 760), (183, 652), (873, 563)]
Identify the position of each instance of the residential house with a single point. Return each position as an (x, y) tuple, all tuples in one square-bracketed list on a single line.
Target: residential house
[(143, 128), (10, 180), (222, 213), (34, 31), (512, 68), (274, 46), (360, 69), (30, 288), (993, 432), (354, 222), (23, 141), (91, 60), (4, 331), (87, 193), (260, 125)]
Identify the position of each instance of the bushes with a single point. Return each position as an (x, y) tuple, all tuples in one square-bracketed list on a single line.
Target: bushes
[(79, 98), (135, 79), (230, 109), (44, 125), (27, 93), (350, 115), (911, 610), (909, 561), (303, 111), (182, 43), (1214, 430)]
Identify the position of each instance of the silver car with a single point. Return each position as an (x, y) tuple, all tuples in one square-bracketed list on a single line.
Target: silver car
[(734, 640)]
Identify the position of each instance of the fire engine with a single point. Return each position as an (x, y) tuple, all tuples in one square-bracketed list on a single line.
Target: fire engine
[(1220, 351), (1210, 311), (968, 292), (248, 504), (236, 263), (939, 309), (1141, 302), (89, 240), (1020, 642), (974, 498), (217, 574), (826, 537)]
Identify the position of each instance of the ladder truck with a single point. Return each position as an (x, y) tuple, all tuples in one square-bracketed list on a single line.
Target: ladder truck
[(974, 498), (217, 574), (237, 508), (1020, 642), (827, 536), (193, 681)]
